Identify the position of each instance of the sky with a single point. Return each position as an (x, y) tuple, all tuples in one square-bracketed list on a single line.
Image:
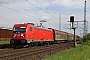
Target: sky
[(53, 11)]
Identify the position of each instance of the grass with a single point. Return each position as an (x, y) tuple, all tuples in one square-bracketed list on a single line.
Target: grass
[(81, 52), (4, 42)]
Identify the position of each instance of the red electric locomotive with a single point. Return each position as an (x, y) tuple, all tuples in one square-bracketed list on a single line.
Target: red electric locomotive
[(28, 34)]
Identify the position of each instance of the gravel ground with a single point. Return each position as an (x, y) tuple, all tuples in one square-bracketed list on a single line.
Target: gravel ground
[(32, 53)]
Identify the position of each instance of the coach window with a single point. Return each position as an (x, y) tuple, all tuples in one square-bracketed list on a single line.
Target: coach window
[(30, 29)]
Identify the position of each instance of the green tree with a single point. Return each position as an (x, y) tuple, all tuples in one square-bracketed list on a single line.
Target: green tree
[(88, 36)]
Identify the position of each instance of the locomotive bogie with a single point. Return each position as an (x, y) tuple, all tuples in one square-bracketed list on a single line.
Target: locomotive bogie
[(18, 42)]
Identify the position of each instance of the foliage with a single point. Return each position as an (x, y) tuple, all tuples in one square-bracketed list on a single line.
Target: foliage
[(81, 52), (86, 39), (88, 36)]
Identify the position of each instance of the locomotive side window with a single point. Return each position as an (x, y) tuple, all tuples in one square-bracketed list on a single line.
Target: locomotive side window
[(30, 29)]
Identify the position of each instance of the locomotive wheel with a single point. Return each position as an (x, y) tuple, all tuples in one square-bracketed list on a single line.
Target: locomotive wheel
[(47, 44)]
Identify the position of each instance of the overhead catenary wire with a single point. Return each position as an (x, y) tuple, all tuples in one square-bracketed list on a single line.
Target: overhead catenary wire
[(45, 7), (24, 12), (41, 9), (41, 4), (48, 10), (18, 11), (17, 6), (25, 9)]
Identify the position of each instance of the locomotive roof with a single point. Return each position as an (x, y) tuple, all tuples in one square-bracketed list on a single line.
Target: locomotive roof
[(24, 23), (42, 28), (34, 26)]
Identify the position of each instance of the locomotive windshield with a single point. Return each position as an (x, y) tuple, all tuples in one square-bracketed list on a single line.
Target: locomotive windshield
[(19, 28)]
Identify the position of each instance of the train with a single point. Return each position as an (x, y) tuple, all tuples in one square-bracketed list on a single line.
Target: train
[(28, 34)]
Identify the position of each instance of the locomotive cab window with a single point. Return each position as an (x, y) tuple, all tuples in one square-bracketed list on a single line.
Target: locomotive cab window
[(30, 29), (19, 28)]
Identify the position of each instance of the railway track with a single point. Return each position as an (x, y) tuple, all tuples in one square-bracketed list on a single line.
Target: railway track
[(33, 53)]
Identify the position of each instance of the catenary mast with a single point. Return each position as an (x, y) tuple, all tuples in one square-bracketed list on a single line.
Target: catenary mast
[(85, 22)]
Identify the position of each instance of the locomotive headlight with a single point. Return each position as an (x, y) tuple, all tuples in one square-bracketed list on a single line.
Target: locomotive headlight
[(23, 35)]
